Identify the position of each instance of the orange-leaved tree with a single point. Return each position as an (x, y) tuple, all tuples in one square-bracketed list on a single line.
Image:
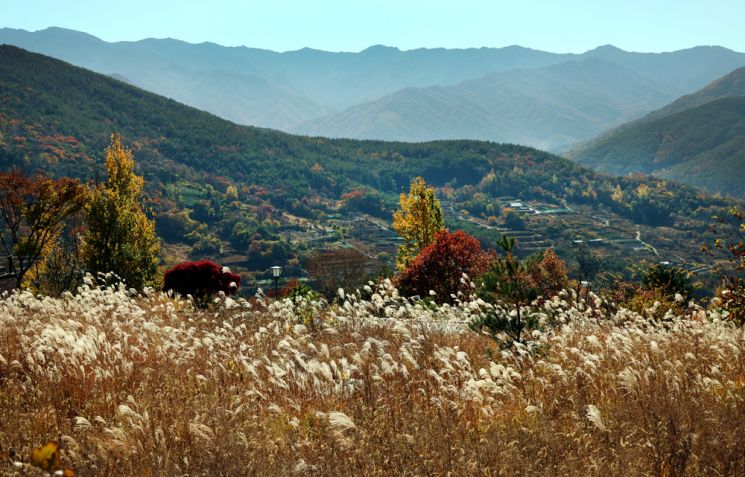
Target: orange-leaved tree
[(550, 274), (34, 211)]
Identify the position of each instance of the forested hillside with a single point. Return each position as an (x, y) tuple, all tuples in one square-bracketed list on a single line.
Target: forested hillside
[(548, 108), (263, 196), (698, 139), (730, 85)]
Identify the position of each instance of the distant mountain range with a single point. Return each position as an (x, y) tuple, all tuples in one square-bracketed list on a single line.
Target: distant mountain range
[(543, 107), (698, 139), (382, 92)]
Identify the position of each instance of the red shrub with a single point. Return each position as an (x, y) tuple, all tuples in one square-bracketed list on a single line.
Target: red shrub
[(200, 279)]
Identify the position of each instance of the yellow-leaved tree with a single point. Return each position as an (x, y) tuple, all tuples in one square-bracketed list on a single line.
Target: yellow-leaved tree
[(417, 221), (120, 237)]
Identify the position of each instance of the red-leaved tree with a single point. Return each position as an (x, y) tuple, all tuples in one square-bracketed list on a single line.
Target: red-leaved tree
[(440, 266)]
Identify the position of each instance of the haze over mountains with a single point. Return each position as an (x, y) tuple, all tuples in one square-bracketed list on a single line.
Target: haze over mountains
[(511, 94), (543, 107), (698, 139)]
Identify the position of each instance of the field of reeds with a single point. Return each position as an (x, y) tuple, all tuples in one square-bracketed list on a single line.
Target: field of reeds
[(148, 385)]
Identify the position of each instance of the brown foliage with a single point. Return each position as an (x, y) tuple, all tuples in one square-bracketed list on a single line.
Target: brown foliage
[(549, 274)]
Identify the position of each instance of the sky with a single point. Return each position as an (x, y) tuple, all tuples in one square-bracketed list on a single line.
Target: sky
[(352, 25)]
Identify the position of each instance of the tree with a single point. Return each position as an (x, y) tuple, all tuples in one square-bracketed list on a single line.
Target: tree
[(120, 237), (265, 253), (731, 228), (589, 265), (508, 281), (368, 201), (512, 220), (232, 192), (669, 280), (549, 274), (60, 270), (334, 269), (440, 266), (34, 211), (417, 221)]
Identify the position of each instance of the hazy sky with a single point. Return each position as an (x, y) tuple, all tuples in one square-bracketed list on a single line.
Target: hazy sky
[(352, 25)]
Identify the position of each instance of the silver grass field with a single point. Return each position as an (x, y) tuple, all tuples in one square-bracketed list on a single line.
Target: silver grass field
[(150, 385)]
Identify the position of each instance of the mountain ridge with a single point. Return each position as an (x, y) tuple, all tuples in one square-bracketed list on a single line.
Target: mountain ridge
[(322, 83), (698, 139), (545, 108)]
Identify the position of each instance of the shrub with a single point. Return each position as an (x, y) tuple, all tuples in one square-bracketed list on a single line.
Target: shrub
[(207, 246), (333, 269)]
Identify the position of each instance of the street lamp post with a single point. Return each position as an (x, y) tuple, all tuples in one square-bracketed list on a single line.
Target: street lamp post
[(276, 272)]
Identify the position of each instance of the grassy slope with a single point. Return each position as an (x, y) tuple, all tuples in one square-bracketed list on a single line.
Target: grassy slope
[(149, 386)]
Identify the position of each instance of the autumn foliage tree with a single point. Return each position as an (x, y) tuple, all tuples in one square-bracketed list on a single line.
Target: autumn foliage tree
[(120, 237), (417, 221), (549, 274), (439, 267), (512, 220), (732, 291), (34, 211)]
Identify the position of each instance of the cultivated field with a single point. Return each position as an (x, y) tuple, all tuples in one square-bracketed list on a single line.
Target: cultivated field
[(150, 386)]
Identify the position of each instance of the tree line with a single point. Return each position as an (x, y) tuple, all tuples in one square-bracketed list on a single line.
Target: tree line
[(55, 230)]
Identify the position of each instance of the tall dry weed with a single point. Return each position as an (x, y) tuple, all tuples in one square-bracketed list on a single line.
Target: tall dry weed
[(386, 386)]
